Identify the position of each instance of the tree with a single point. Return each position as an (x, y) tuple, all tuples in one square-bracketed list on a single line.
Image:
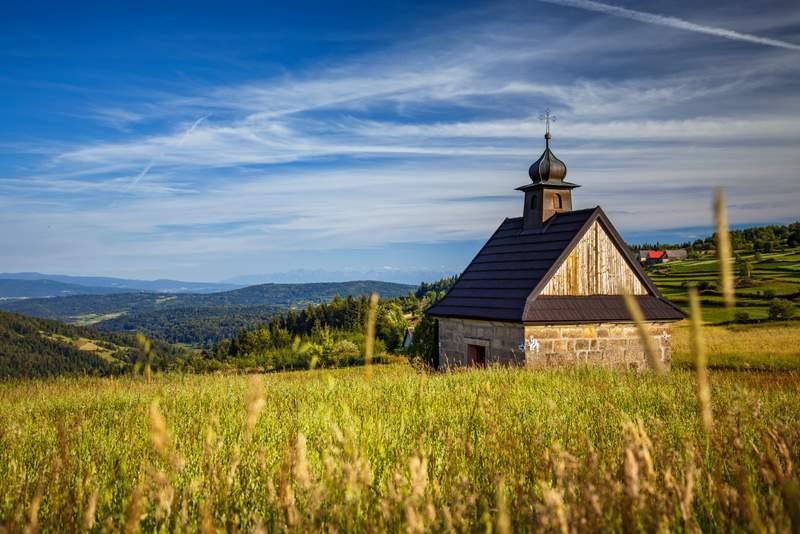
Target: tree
[(425, 345), (781, 309), (391, 324)]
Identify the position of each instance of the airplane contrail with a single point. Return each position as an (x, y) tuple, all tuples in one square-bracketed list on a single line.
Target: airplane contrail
[(672, 22), (186, 134), (191, 129)]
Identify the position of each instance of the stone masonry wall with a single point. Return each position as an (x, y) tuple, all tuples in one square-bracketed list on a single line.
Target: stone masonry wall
[(607, 344), (502, 341)]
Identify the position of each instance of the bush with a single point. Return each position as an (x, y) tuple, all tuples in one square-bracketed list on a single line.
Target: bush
[(741, 316), (769, 293), (346, 350), (781, 309)]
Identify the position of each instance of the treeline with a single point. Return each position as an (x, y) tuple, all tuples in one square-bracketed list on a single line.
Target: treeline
[(333, 334), (321, 335), (330, 334), (756, 239)]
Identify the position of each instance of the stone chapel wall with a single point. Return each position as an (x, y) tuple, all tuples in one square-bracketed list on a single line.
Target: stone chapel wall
[(539, 346)]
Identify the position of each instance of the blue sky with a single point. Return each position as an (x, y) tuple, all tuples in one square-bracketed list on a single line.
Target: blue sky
[(205, 141)]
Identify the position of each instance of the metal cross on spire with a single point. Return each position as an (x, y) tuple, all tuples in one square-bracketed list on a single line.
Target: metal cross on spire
[(547, 117)]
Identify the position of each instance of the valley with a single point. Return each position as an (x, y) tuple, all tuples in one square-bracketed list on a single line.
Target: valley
[(194, 318)]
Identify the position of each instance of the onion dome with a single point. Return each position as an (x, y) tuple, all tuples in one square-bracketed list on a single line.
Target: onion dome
[(548, 168)]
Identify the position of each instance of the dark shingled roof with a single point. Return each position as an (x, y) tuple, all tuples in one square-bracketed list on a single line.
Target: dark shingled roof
[(514, 263), (597, 309)]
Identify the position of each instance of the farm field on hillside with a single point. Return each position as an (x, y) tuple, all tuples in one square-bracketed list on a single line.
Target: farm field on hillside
[(774, 275), (390, 448)]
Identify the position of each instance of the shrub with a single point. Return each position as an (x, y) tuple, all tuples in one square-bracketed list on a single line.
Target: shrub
[(346, 350), (769, 293), (741, 316), (781, 309)]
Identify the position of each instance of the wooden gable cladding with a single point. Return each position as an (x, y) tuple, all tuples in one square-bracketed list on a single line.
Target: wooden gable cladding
[(595, 266)]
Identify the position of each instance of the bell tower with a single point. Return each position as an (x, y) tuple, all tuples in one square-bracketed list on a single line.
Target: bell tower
[(548, 193)]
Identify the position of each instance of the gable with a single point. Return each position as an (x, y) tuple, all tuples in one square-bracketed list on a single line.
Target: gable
[(502, 283), (595, 266)]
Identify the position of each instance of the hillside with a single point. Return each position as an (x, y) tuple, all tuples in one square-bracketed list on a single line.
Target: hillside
[(78, 307), (31, 347), (760, 278), (194, 318), (192, 326)]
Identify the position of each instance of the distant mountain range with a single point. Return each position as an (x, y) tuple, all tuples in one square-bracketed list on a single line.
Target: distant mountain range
[(304, 276), (17, 289), (44, 285), (39, 285)]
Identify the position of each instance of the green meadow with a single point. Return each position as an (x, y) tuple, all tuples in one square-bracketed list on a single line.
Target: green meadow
[(773, 275), (393, 448)]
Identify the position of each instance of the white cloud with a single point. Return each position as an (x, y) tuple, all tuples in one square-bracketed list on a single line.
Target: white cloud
[(415, 144), (673, 22)]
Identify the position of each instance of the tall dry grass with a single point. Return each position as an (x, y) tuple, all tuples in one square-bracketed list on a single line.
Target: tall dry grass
[(402, 451)]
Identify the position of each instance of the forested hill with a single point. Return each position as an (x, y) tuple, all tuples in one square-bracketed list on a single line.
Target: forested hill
[(278, 295), (31, 347), (197, 319)]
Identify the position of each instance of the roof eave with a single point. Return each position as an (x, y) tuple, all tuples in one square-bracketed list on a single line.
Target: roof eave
[(547, 185)]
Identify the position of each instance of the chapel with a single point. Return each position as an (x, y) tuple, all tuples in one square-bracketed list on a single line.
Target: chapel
[(547, 288)]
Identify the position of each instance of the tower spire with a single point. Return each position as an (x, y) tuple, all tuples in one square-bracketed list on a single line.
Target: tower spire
[(549, 193)]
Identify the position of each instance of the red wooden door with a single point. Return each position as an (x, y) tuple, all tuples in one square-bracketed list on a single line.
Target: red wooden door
[(476, 355)]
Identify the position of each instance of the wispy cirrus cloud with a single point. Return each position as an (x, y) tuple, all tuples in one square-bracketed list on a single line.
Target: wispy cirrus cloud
[(420, 143), (673, 22)]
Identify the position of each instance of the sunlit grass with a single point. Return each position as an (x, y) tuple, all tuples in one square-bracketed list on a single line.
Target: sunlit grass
[(767, 346), (397, 450)]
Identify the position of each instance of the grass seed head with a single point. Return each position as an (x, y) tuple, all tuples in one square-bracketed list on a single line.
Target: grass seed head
[(650, 350), (369, 342), (698, 349), (724, 248), (255, 402)]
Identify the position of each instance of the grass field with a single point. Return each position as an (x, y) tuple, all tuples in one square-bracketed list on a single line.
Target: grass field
[(768, 346), (775, 275), (389, 448)]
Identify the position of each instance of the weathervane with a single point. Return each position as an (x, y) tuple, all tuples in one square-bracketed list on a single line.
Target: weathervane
[(547, 117)]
